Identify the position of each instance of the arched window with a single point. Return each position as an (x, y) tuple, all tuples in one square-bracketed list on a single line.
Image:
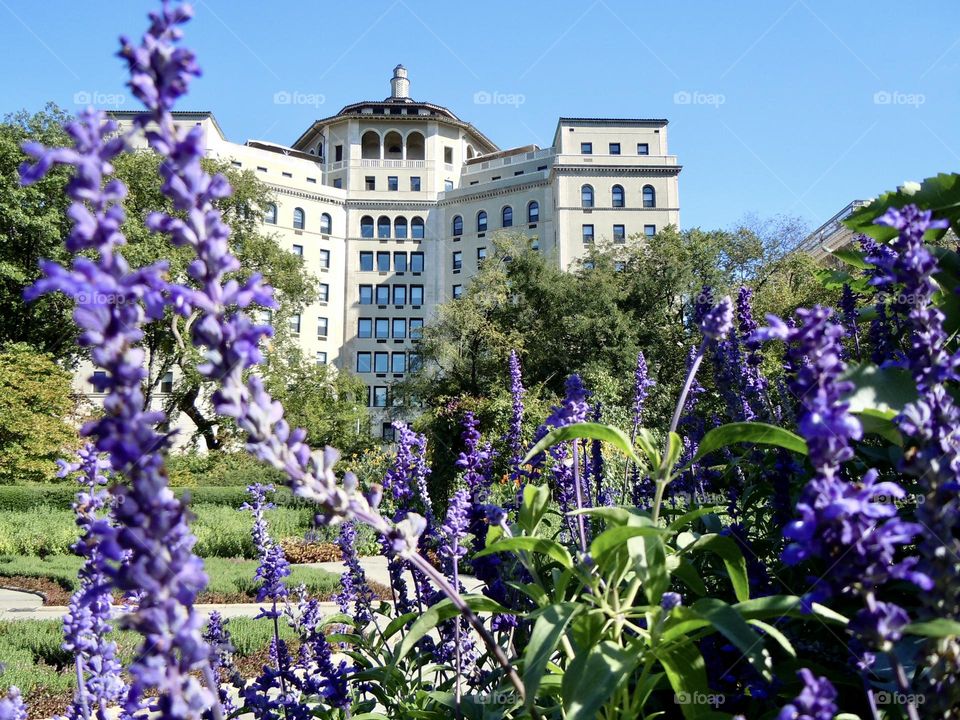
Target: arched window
[(533, 212), (270, 216), (366, 226), (482, 221), (415, 146), (383, 227), (416, 227), (507, 216), (400, 228), (586, 196), (457, 226), (298, 219), (370, 146), (649, 196), (325, 224), (392, 146), (618, 196)]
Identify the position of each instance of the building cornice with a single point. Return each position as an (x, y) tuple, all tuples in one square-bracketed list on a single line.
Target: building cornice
[(645, 170), (493, 192), (305, 195), (587, 211)]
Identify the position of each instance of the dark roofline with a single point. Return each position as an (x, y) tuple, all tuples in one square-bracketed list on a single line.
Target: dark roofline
[(614, 121)]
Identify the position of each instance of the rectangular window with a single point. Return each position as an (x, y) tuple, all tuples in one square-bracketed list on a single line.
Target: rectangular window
[(457, 259), (586, 148), (364, 328), (166, 382), (447, 185), (448, 155), (383, 294), (366, 294), (416, 262), (99, 381), (363, 362), (322, 324), (383, 328), (619, 233), (416, 328), (614, 148), (287, 175), (481, 255), (413, 362), (298, 250), (295, 324), (415, 184), (366, 261), (398, 363), (649, 230), (399, 262), (416, 294), (321, 357), (388, 433), (457, 291), (323, 292), (393, 183), (399, 328), (399, 294), (381, 362), (312, 180), (325, 259), (338, 183), (587, 234), (370, 182), (383, 262), (338, 153), (643, 149), (380, 397), (260, 168)]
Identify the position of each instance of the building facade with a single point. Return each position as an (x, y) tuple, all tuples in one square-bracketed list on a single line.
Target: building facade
[(393, 204)]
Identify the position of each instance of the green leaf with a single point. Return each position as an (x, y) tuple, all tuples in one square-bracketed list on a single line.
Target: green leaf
[(593, 677), (687, 674), (546, 633), (650, 561), (940, 193), (543, 546), (775, 633), (674, 448), (535, 501), (880, 422), (883, 390), (732, 625), (938, 628), (694, 514), (591, 431), (648, 444), (614, 537), (750, 432), (687, 574), (732, 558), (444, 610), (852, 257)]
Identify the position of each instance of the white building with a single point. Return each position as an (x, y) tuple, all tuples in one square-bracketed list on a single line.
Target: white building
[(393, 204)]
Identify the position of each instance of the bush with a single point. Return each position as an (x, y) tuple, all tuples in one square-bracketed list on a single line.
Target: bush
[(218, 469)]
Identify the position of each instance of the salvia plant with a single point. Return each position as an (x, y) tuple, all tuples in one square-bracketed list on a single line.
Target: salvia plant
[(786, 547)]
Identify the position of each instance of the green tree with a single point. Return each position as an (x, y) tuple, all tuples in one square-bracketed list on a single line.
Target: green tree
[(36, 411), (329, 404)]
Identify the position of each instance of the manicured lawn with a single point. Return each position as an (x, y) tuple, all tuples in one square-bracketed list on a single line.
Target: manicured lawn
[(230, 580)]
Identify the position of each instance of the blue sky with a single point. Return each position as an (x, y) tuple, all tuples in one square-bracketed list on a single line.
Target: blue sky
[(775, 106)]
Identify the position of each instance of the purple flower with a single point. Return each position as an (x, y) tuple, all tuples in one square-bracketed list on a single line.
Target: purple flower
[(514, 436), (221, 660), (474, 461), (454, 529), (407, 477), (718, 321), (849, 314), (354, 587), (321, 677), (641, 389), (12, 706), (815, 702), (273, 566), (670, 600)]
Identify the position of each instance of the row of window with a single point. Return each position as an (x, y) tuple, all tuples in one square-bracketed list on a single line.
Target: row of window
[(402, 262), (99, 382), (399, 225), (393, 183), (617, 196), (506, 218), (619, 233), (385, 328), (586, 148), (323, 325), (299, 219), (381, 295), (382, 363), (324, 258), (458, 257)]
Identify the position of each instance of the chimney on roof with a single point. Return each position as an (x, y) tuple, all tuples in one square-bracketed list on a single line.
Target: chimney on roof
[(399, 83)]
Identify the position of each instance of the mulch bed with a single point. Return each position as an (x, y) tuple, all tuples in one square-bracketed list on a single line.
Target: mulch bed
[(299, 551)]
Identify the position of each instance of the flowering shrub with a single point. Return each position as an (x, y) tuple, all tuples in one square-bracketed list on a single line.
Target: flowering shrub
[(757, 558)]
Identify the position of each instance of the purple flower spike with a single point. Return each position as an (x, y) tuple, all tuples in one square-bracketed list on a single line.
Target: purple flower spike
[(12, 706), (815, 702), (718, 322)]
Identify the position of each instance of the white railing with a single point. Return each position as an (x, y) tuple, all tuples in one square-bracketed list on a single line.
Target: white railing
[(376, 163), (508, 160)]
